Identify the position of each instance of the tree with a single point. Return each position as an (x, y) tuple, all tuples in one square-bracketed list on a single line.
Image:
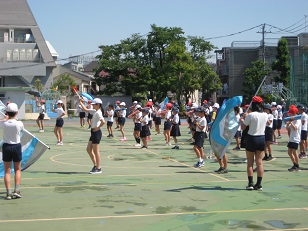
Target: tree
[(253, 78), (64, 84), (38, 85), (281, 64)]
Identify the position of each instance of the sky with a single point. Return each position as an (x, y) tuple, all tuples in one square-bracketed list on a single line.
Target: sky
[(76, 27)]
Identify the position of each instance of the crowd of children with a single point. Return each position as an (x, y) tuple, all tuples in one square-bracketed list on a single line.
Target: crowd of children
[(259, 124)]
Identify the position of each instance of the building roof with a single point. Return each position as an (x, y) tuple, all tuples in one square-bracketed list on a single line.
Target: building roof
[(17, 14), (91, 66)]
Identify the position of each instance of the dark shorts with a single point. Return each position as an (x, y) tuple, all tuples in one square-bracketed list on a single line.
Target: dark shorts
[(82, 114), (121, 120), (137, 127), (279, 124), (238, 134), (268, 134), (199, 139), (96, 136), (109, 124), (157, 121), (255, 143), (145, 131), (167, 125), (90, 116), (11, 152), (41, 116), (175, 130), (150, 123), (303, 135), (59, 123), (275, 124), (292, 145)]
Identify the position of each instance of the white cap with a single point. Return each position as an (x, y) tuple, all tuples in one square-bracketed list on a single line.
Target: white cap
[(216, 105), (97, 101), (273, 104), (279, 107), (194, 105), (59, 101), (137, 106), (150, 100), (122, 104), (135, 102), (11, 107)]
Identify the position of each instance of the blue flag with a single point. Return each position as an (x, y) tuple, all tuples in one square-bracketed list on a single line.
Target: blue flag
[(225, 126)]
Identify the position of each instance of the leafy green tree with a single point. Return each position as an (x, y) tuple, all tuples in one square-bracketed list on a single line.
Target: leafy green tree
[(64, 84), (253, 78), (281, 64), (38, 85)]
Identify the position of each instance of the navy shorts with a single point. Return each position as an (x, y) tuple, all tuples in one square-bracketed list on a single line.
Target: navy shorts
[(59, 123), (137, 127), (279, 124), (238, 134), (167, 125), (199, 139), (292, 145), (121, 120), (268, 134), (303, 135), (145, 131), (255, 143), (157, 121), (41, 116), (109, 124), (95, 136), (275, 124), (82, 114), (11, 152), (90, 116)]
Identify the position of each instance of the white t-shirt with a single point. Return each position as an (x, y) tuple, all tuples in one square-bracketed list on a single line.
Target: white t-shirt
[(295, 136), (270, 117), (238, 117), (176, 119), (145, 120), (256, 122), (275, 114), (202, 122), (122, 112), (11, 131), (304, 120), (168, 115), (59, 111), (42, 109), (279, 115), (97, 117), (138, 117), (110, 115)]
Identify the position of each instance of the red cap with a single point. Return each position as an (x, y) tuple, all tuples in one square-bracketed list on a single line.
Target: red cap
[(169, 105), (42, 101), (118, 102), (189, 103), (205, 101), (89, 101), (293, 110), (257, 99), (246, 106)]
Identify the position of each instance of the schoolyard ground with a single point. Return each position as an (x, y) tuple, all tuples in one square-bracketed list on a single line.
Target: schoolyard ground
[(156, 189)]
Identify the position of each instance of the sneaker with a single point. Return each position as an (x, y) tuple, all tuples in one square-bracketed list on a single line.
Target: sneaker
[(96, 171), (199, 164), (279, 137), (269, 158), (293, 169), (274, 142), (218, 170), (108, 136), (111, 135), (92, 170), (8, 197), (144, 147), (16, 195), (158, 133), (41, 130), (149, 138), (137, 145), (302, 156), (117, 127), (265, 158), (236, 149), (258, 187), (249, 186), (123, 139), (60, 143), (176, 147)]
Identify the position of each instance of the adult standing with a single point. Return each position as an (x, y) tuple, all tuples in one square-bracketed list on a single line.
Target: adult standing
[(255, 144)]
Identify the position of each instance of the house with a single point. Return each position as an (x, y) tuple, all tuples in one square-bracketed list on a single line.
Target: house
[(233, 61), (24, 54)]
